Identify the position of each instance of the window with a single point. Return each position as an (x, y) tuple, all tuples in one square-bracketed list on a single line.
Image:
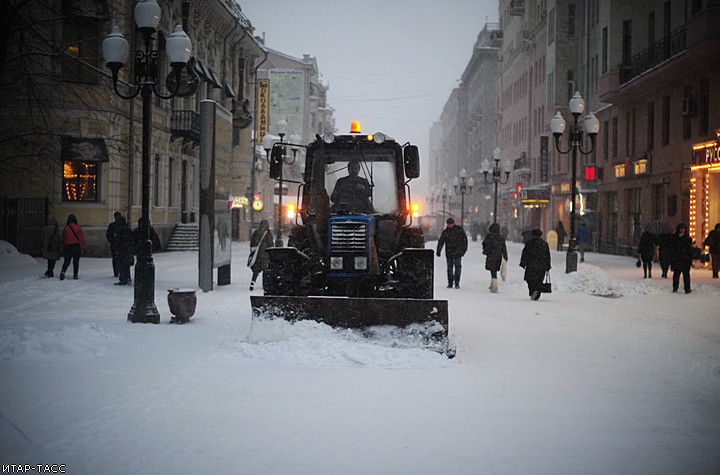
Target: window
[(640, 167), (80, 49), (171, 182), (650, 125), (627, 42), (612, 225), (634, 196), (606, 140), (620, 171), (80, 181), (659, 202), (156, 182), (633, 131), (704, 107), (614, 137), (651, 29), (627, 134), (605, 50), (666, 120), (81, 159), (571, 21), (570, 84)]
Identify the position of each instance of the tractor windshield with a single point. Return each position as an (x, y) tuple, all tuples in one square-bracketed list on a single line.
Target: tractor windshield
[(362, 185)]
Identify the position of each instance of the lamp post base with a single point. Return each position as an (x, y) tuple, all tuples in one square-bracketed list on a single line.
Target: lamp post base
[(143, 309), (571, 261)]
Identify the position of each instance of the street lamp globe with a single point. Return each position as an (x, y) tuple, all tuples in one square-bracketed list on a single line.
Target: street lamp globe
[(147, 15), (178, 48), (577, 104)]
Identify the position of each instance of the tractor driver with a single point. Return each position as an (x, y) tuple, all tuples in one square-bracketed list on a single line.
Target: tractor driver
[(352, 192)]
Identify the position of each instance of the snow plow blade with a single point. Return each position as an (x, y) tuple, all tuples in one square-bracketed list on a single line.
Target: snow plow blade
[(415, 323)]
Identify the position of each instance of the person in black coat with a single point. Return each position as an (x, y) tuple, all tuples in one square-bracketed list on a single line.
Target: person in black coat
[(682, 261), (455, 241), (110, 236), (561, 235), (646, 249), (352, 191), (139, 236), (495, 249), (712, 241), (665, 241), (535, 259), (124, 249)]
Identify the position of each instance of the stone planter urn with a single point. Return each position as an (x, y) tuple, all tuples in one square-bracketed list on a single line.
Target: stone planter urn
[(182, 303)]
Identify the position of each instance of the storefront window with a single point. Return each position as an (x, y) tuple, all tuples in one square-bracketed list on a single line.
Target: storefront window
[(80, 180)]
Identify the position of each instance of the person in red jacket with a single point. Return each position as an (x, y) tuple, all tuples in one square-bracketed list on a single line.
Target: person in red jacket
[(73, 246)]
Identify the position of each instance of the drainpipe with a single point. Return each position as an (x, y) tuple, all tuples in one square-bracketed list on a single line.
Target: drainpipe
[(253, 179)]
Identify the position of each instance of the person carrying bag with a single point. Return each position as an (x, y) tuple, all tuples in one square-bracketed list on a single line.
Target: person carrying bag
[(535, 259)]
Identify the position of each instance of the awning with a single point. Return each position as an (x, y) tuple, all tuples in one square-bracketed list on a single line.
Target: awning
[(535, 195), (84, 150), (213, 79), (199, 68), (228, 90)]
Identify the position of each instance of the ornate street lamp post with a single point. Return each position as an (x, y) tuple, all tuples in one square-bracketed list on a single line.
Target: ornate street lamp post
[(115, 51), (576, 136), (497, 172), (462, 187), (443, 196)]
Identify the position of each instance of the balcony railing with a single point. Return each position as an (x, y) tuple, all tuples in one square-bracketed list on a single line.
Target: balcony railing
[(185, 124), (655, 55)]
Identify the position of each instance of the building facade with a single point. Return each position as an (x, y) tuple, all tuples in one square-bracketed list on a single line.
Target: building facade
[(72, 146), (646, 70)]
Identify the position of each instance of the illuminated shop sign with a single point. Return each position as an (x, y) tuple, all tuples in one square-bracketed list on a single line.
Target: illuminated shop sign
[(706, 153)]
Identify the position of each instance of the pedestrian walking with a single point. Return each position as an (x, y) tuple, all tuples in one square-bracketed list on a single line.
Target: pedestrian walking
[(561, 235), (535, 259), (52, 245), (474, 229), (455, 241), (665, 255), (258, 259), (646, 249), (583, 237), (110, 236), (73, 246), (712, 241), (495, 249), (682, 258), (125, 249)]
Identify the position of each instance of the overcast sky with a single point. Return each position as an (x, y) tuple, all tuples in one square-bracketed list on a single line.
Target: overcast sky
[(390, 64)]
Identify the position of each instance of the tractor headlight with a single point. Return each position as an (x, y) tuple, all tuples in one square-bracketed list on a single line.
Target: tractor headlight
[(336, 263), (328, 137), (361, 263), (379, 137)]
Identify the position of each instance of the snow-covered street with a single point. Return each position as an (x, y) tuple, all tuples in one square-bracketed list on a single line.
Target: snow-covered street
[(575, 383)]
